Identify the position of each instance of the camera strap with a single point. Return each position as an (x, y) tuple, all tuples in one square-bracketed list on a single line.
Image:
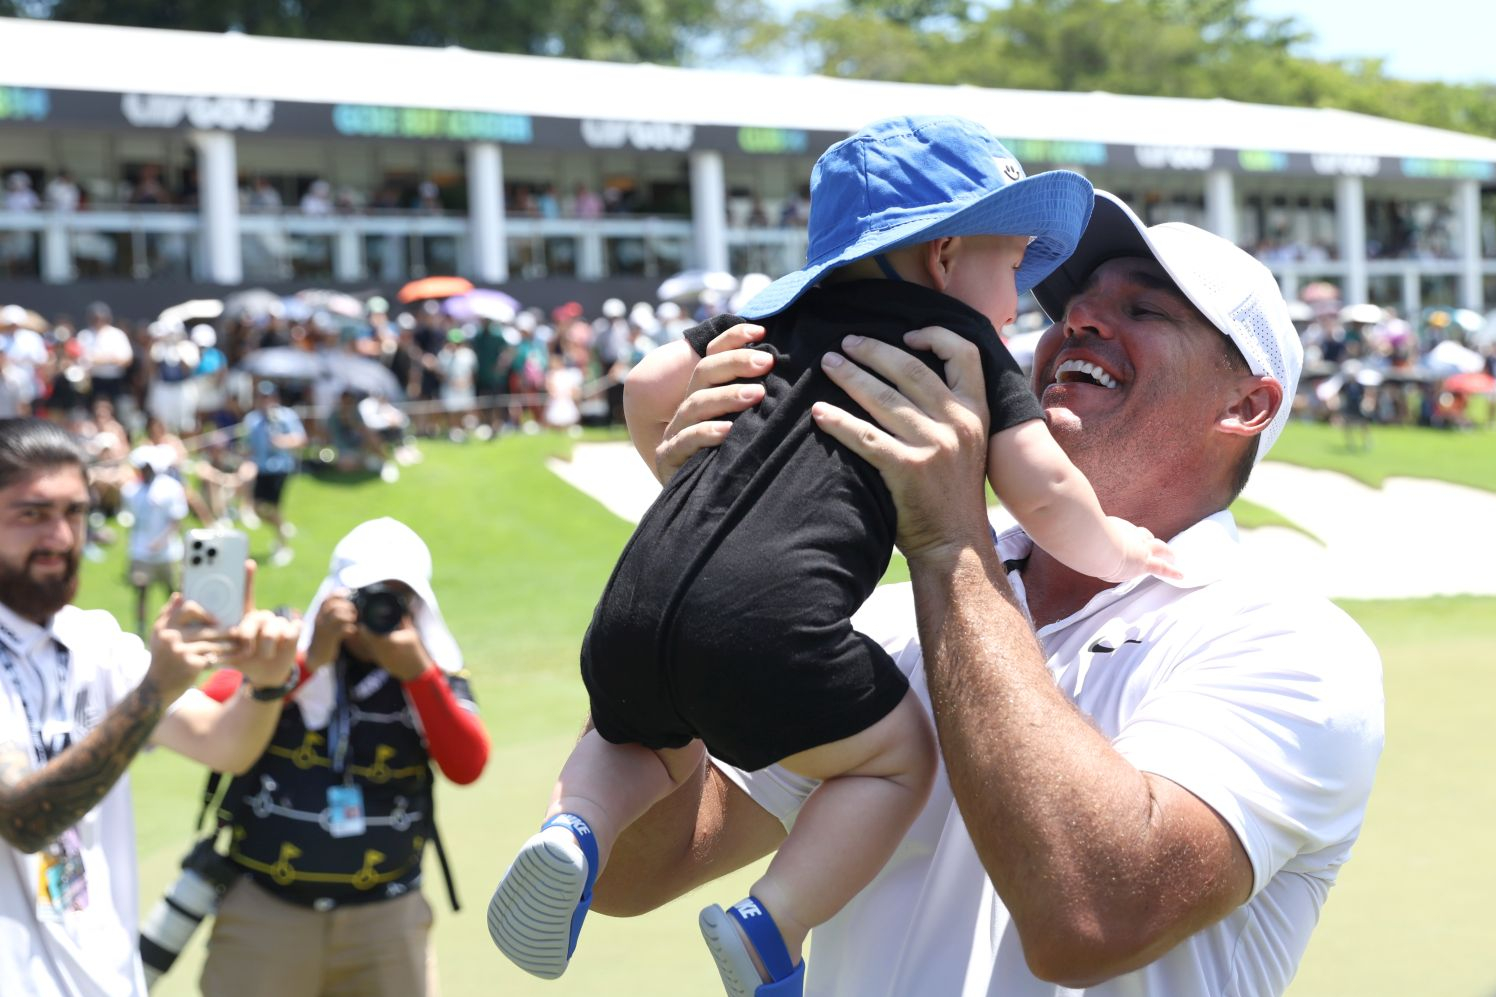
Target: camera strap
[(441, 852), (340, 726)]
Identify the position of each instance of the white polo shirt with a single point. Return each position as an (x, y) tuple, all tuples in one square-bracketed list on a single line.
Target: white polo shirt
[(1264, 702), (90, 951), (158, 508)]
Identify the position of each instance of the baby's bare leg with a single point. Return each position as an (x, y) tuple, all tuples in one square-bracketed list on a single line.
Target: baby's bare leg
[(611, 785), (875, 783)]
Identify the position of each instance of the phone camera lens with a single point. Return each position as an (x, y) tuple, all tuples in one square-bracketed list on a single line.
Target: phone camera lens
[(196, 560), (197, 545)]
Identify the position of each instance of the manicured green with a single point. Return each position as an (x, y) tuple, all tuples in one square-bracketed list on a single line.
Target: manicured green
[(1463, 457), (520, 559), (1250, 515)]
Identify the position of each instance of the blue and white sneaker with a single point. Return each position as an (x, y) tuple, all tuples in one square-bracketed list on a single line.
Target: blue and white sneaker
[(537, 911)]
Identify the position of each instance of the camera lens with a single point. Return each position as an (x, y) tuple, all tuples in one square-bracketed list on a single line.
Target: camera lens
[(197, 545), (196, 560), (380, 608)]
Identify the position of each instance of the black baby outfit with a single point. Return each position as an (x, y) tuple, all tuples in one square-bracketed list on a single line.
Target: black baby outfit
[(727, 617)]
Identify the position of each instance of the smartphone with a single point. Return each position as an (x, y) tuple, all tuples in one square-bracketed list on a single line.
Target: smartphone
[(213, 572)]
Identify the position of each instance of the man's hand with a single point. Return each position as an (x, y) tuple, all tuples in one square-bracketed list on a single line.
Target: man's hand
[(336, 621), (711, 394), (930, 441), (399, 652), (266, 651), (184, 641)]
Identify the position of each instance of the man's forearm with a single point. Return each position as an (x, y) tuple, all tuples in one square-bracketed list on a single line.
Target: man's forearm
[(1102, 867), (38, 805), (228, 736)]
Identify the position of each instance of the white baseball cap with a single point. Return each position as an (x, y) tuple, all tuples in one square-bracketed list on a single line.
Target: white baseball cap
[(1233, 290), (158, 457)]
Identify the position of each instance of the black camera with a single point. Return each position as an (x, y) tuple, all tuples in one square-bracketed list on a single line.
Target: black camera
[(381, 606), (206, 876)]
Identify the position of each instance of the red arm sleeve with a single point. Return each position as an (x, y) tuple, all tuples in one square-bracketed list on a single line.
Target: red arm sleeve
[(222, 684), (454, 735)]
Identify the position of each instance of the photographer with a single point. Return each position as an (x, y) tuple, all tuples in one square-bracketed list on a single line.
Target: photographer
[(329, 824)]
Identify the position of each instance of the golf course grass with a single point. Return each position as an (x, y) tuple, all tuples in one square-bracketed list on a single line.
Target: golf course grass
[(520, 558)]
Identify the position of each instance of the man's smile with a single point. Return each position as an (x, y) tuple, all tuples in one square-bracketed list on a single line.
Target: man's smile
[(1083, 372)]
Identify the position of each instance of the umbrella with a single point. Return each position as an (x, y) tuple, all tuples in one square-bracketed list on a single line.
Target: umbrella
[(1365, 314), (434, 287), (255, 303), (748, 289), (1476, 383), (345, 370), (1470, 321), (1319, 290), (690, 283), (361, 374), (283, 363), (496, 306), (1450, 357), (196, 310), (336, 302)]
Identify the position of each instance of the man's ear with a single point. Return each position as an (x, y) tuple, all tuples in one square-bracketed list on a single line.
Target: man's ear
[(1256, 400)]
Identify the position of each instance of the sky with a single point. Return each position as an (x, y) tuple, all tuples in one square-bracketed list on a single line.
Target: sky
[(1449, 40)]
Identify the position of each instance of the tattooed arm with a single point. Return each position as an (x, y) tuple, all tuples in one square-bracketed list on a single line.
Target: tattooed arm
[(36, 806)]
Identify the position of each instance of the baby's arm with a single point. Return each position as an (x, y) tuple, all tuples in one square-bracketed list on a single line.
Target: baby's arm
[(672, 385), (654, 390), (1055, 505)]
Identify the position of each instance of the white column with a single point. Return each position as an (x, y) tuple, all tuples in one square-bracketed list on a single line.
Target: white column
[(1412, 294), (485, 177), (1350, 226), (218, 201), (1467, 210), (57, 255), (1220, 204), (709, 209), (348, 254), (590, 255)]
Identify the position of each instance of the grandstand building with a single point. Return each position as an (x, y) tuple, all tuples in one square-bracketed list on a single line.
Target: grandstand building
[(202, 159)]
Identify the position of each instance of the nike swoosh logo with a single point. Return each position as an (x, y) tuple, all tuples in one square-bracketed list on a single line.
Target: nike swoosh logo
[(1100, 647)]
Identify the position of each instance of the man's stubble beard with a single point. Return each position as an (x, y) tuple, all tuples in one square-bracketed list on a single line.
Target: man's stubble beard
[(34, 599)]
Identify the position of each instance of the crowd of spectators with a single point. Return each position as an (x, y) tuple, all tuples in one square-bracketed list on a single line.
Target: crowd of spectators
[(366, 387), (368, 381), (1366, 365)]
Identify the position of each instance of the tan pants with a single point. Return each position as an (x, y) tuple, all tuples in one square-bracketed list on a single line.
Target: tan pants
[(265, 947)]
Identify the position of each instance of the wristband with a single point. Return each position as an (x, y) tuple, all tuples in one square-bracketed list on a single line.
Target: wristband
[(270, 693)]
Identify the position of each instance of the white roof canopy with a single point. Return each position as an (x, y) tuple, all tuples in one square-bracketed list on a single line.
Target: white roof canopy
[(84, 57)]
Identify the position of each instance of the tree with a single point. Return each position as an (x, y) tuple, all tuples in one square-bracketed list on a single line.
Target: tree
[(1165, 48), (619, 30)]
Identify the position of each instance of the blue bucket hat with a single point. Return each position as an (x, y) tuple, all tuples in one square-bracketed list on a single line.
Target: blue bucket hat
[(908, 180)]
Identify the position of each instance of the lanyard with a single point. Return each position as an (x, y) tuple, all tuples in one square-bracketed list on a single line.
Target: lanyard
[(43, 748), (341, 727)]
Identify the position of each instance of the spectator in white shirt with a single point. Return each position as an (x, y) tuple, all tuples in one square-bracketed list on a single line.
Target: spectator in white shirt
[(157, 504)]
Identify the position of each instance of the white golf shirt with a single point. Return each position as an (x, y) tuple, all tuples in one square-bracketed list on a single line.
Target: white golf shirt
[(89, 950), (158, 508), (1264, 702)]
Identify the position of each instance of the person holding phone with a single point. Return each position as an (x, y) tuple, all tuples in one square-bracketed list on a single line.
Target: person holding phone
[(330, 823), (78, 699)]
